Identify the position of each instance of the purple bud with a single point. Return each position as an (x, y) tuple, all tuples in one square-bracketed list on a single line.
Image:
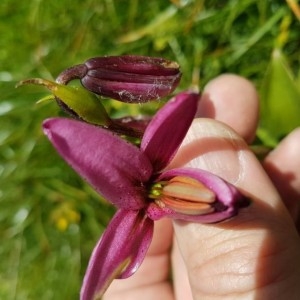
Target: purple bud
[(128, 78)]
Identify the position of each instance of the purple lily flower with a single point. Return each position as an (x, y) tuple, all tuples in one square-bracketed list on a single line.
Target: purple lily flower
[(137, 182)]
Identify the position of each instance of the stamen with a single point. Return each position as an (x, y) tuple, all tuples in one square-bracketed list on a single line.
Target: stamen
[(183, 195), (189, 189), (187, 207)]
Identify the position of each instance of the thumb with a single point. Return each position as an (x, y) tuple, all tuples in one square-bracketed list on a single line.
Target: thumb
[(255, 254)]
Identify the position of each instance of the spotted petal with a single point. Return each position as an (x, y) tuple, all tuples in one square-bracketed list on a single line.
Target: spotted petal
[(119, 252), (168, 128), (115, 168)]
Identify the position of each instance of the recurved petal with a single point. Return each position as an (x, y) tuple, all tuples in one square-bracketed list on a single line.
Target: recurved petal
[(115, 168), (119, 252), (168, 127), (228, 199)]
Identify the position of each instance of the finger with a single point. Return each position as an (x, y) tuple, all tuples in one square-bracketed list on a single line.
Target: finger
[(182, 289), (224, 98), (152, 278), (244, 256), (233, 100), (283, 167)]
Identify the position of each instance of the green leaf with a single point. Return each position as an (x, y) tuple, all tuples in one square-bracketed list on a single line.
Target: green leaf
[(280, 101), (84, 104)]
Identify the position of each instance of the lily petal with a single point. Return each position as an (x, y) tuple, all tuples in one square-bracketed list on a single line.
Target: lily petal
[(229, 199), (119, 252), (115, 168), (168, 128)]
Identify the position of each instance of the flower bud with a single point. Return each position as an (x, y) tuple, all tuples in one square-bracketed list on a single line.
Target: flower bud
[(128, 78)]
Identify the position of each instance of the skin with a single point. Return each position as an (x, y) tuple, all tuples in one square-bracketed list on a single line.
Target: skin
[(255, 255)]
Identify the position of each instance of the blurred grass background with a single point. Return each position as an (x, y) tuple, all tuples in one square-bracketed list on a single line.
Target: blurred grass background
[(49, 218)]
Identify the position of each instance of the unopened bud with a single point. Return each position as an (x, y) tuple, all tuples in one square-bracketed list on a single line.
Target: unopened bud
[(128, 78)]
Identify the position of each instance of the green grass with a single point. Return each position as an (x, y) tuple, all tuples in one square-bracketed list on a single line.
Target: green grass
[(49, 218)]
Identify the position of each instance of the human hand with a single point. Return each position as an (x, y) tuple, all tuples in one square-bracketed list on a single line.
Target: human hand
[(255, 254)]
